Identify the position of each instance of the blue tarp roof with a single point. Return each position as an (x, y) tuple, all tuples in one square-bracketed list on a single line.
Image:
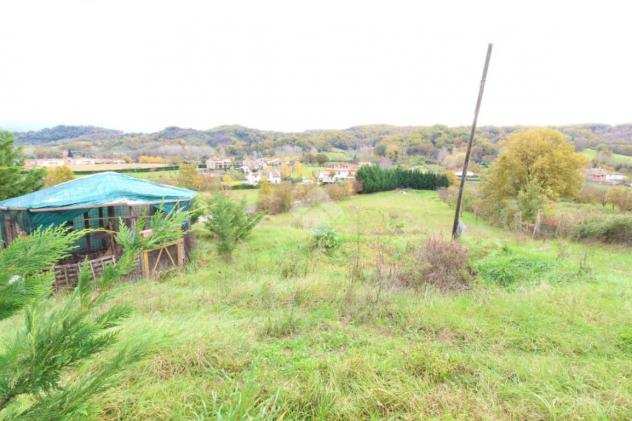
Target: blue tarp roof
[(98, 190)]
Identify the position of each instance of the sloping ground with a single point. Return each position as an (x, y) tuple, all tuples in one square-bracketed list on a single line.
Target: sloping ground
[(616, 158), (545, 332)]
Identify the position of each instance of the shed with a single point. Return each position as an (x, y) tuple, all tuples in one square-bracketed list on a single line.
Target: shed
[(95, 201)]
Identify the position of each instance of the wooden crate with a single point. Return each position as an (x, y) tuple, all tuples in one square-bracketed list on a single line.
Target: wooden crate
[(161, 258), (67, 275)]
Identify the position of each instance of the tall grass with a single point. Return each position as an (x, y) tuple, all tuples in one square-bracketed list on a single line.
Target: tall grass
[(246, 340)]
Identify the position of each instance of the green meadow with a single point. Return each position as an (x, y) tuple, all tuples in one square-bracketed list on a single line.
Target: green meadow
[(286, 331), (616, 158)]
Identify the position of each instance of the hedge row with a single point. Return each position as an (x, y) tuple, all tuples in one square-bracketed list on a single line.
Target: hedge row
[(374, 179)]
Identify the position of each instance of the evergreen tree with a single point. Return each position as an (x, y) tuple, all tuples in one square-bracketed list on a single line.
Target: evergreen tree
[(230, 223), (14, 179), (55, 338)]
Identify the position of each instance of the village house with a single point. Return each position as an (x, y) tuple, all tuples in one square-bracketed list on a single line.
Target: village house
[(337, 172), (254, 178), (252, 165), (600, 175), (615, 178), (596, 175), (219, 164)]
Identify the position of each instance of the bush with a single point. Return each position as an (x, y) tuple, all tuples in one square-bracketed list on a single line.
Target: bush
[(508, 266), (275, 199), (338, 191), (443, 264), (311, 194), (616, 229), (620, 197), (374, 179), (326, 239), (230, 223), (593, 194)]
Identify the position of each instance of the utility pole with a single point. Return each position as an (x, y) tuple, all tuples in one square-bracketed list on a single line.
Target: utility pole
[(457, 212)]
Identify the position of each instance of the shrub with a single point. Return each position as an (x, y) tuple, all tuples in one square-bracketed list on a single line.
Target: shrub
[(326, 239), (441, 263), (531, 200), (311, 194), (338, 191), (508, 266), (593, 194), (374, 179), (275, 199), (616, 229), (230, 223), (620, 197)]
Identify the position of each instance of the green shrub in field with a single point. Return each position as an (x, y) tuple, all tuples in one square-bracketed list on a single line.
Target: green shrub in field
[(230, 223), (374, 179), (508, 266), (326, 239), (615, 229)]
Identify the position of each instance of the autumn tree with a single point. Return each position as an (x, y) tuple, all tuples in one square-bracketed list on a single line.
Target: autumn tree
[(56, 175), (298, 169), (286, 170), (14, 179), (541, 158), (189, 176)]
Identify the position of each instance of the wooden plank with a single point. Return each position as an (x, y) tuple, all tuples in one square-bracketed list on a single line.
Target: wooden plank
[(181, 254), (146, 264)]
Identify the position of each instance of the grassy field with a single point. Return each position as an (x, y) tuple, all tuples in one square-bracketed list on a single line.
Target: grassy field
[(283, 332), (616, 158)]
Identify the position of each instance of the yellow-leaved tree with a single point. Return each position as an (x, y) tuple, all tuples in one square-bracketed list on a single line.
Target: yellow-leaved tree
[(56, 175), (541, 157)]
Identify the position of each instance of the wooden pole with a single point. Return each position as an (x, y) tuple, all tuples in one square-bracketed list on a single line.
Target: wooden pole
[(457, 212)]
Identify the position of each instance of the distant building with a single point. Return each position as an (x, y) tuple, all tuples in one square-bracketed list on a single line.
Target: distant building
[(616, 178), (600, 175), (219, 164), (254, 178), (596, 175), (337, 172), (469, 175), (252, 165)]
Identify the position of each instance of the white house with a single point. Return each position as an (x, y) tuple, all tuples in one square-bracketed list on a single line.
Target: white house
[(615, 178), (274, 177), (253, 178)]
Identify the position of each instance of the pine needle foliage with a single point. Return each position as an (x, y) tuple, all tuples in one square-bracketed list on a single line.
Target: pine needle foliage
[(375, 179), (14, 179), (230, 223), (24, 265), (166, 227), (57, 338)]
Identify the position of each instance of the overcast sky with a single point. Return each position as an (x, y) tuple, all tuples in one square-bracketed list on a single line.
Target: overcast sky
[(296, 65)]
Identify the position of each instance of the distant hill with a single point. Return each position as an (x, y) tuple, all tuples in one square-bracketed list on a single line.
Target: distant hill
[(60, 133), (432, 142)]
